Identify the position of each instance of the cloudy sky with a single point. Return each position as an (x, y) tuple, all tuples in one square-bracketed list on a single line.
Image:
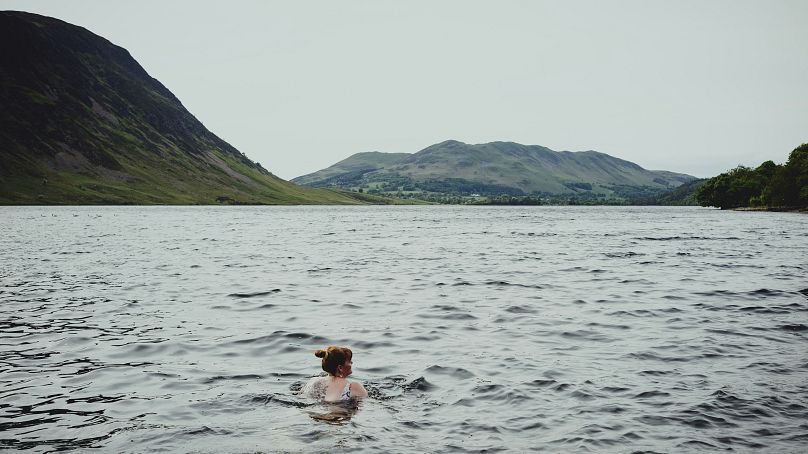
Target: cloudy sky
[(690, 86)]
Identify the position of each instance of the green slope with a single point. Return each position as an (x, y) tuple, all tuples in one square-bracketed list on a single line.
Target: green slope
[(684, 195), (357, 164), (83, 123)]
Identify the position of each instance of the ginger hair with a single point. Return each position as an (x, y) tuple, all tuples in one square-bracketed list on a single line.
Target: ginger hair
[(333, 357)]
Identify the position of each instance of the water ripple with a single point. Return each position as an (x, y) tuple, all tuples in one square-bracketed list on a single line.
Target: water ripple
[(474, 329)]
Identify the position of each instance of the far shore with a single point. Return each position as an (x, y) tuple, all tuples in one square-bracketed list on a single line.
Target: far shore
[(778, 209)]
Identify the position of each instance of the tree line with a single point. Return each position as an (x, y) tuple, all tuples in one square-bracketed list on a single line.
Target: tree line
[(769, 185)]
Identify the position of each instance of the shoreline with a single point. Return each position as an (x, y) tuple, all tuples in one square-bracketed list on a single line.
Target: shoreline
[(773, 209)]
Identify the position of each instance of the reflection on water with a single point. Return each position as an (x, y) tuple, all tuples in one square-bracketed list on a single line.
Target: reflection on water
[(613, 329)]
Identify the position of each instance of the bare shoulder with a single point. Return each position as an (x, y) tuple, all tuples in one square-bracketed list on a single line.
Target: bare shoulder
[(358, 390), (315, 387)]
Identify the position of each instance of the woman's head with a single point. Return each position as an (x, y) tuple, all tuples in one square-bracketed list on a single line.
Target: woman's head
[(336, 360)]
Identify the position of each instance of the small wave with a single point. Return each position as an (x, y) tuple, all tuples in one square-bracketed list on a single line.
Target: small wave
[(517, 309), (241, 377), (634, 313), (58, 444), (728, 332), (95, 399), (457, 372), (281, 336), (370, 345), (450, 316), (377, 370), (656, 372), (798, 327), (204, 430), (499, 393), (459, 283), (648, 356), (506, 284), (88, 365), (759, 309), (254, 294), (319, 270), (740, 441), (698, 444), (621, 255), (265, 399), (582, 395), (607, 325), (466, 402), (575, 268), (540, 234), (541, 383), (258, 308), (651, 394), (614, 389), (766, 292), (656, 420), (674, 297), (585, 335), (419, 384), (392, 387), (446, 307), (677, 237), (27, 423)]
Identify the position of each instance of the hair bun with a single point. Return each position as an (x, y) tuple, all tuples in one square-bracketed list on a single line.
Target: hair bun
[(320, 353)]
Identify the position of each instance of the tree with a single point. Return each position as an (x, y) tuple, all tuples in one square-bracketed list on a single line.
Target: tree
[(767, 185), (789, 186), (739, 187)]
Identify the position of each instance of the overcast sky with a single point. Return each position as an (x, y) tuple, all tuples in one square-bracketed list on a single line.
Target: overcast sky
[(689, 86)]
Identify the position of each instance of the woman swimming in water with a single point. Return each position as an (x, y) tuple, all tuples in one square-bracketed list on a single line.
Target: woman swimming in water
[(335, 387)]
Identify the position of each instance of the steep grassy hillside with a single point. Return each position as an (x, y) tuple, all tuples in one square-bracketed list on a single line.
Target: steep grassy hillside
[(83, 123), (497, 168)]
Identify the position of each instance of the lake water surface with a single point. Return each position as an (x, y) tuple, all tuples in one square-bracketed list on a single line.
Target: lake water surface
[(475, 329)]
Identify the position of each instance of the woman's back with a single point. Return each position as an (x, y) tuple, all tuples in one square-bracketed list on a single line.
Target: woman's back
[(333, 389)]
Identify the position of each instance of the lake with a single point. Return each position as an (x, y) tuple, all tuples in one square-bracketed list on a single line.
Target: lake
[(475, 329)]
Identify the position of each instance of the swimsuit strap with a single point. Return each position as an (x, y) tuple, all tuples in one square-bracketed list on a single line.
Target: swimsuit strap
[(346, 393)]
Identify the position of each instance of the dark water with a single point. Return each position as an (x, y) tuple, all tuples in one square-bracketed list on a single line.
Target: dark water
[(556, 329)]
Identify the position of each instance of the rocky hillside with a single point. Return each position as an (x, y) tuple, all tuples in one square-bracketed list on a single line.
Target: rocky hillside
[(83, 123), (495, 168)]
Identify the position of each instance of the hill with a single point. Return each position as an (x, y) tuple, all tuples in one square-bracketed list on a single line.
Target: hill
[(84, 123), (496, 168), (348, 169), (678, 196)]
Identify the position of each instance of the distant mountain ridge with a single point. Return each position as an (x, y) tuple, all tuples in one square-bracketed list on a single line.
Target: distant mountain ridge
[(84, 123), (496, 167)]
